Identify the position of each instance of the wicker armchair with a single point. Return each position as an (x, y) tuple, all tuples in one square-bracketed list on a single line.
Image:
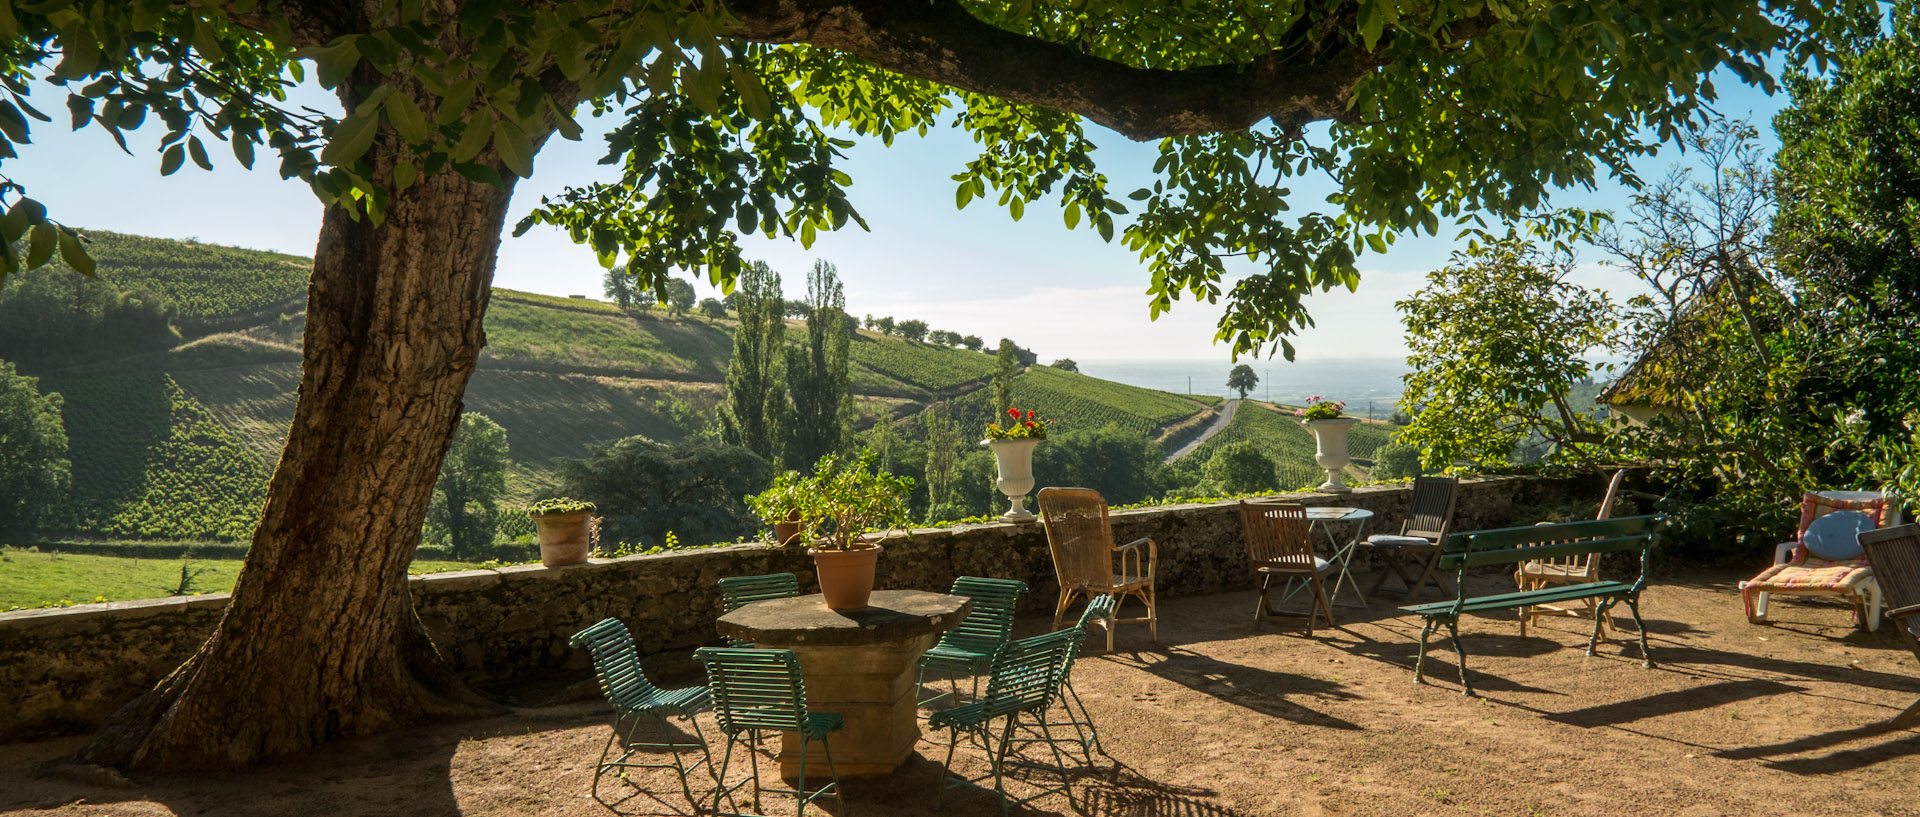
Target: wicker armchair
[(1895, 553), (1541, 573), (1088, 564)]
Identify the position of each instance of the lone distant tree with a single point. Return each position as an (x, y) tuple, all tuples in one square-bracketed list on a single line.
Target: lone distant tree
[(883, 325), (972, 342), (1243, 380), (915, 330), (473, 479), (713, 308), (619, 287), (1066, 364), (34, 470), (679, 296)]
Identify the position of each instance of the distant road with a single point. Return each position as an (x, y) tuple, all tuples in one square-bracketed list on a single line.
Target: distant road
[(1219, 423)]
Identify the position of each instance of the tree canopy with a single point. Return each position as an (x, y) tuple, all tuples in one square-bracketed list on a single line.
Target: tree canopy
[(1453, 110)]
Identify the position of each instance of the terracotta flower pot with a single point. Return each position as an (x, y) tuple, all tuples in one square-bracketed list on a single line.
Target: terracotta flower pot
[(564, 537), (787, 530), (846, 576)]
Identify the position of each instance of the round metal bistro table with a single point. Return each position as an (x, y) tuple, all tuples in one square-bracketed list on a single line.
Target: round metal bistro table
[(1342, 544), (858, 664)]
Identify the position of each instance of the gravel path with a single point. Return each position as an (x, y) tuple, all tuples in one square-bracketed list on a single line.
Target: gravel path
[(1219, 424)]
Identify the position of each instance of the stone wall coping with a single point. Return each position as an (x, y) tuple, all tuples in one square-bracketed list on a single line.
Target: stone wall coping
[(463, 580)]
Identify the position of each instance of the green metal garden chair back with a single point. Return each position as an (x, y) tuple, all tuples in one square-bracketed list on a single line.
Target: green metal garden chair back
[(637, 702), (756, 690), (1025, 679), (739, 591), (967, 650)]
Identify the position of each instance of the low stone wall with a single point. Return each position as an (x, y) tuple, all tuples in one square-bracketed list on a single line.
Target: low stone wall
[(63, 670)]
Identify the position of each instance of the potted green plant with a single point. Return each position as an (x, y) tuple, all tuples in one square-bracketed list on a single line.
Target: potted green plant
[(1330, 432), (779, 506), (565, 530), (844, 500), (1012, 445)]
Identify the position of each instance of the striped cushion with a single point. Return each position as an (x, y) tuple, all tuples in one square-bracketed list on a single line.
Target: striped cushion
[(1812, 575)]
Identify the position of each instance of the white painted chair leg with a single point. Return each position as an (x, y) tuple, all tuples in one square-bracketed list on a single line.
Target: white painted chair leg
[(1760, 604), (1874, 602)]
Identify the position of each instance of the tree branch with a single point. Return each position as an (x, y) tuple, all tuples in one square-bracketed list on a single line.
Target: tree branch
[(938, 40)]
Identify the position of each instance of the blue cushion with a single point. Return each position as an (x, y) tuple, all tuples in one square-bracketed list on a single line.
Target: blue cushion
[(1836, 536)]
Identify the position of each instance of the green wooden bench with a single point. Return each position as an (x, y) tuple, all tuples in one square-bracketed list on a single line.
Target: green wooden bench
[(1460, 551)]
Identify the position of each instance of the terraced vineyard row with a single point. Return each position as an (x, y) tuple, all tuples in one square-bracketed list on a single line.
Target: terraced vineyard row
[(525, 328), (1076, 401), (150, 463), (201, 280), (921, 366), (1290, 445)]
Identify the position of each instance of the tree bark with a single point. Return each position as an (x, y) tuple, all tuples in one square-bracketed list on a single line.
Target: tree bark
[(320, 640)]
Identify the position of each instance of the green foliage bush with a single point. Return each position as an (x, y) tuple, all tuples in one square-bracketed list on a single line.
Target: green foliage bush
[(54, 317), (646, 489), (1238, 468), (1396, 461), (34, 470)]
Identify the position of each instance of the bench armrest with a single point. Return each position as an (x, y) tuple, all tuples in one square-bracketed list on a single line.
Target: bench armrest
[(1898, 613)]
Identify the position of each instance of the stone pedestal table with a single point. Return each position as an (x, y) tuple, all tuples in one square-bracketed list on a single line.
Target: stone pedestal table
[(859, 664)]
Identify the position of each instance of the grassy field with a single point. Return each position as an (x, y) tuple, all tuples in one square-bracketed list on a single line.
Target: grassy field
[(202, 280), (32, 579), (561, 332), (1281, 437), (1076, 401)]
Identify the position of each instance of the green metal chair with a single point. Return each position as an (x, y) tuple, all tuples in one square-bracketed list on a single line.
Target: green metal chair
[(967, 650), (636, 703), (755, 691), (1077, 717), (739, 591), (1026, 676)]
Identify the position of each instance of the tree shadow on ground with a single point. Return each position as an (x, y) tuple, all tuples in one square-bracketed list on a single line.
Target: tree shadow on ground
[(1260, 690), (1894, 743), (1668, 703)]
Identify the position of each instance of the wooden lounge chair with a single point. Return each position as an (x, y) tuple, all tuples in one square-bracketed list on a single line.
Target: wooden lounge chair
[(1895, 553), (1824, 558), (1542, 573), (1086, 561), (1417, 545), (1278, 547)]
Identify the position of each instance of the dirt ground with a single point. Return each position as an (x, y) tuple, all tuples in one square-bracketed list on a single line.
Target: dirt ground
[(1221, 719)]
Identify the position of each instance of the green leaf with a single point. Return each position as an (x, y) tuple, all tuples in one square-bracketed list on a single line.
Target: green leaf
[(351, 137), (454, 105), (963, 195), (516, 150), (206, 42), (474, 139), (407, 119), (40, 245), (243, 150), (75, 255), (404, 175), (479, 173), (199, 153), (172, 159)]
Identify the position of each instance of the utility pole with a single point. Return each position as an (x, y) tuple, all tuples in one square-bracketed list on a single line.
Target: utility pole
[(1269, 385), (1189, 384)]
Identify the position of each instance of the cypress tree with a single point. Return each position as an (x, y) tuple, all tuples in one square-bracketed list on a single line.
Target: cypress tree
[(755, 392), (817, 373)]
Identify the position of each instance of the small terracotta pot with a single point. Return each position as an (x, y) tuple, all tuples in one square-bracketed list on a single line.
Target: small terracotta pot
[(564, 537), (787, 530), (846, 576)]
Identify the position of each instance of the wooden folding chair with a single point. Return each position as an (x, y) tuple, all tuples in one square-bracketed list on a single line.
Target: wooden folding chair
[(1278, 548), (1541, 573), (1417, 545), (1895, 554)]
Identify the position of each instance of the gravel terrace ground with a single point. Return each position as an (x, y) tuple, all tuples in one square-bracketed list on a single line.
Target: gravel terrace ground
[(1219, 719)]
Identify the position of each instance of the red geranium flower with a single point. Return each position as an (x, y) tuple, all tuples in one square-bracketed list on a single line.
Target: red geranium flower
[(1014, 413), (1029, 415)]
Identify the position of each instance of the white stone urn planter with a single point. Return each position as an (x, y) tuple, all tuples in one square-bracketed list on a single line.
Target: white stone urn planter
[(1330, 440), (1015, 460)]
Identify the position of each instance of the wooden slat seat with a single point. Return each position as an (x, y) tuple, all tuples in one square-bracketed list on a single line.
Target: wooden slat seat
[(1537, 543)]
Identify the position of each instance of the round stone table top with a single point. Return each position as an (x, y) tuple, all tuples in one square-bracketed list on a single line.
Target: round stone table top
[(890, 615)]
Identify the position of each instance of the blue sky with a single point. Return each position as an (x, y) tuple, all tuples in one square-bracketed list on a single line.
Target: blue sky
[(975, 271)]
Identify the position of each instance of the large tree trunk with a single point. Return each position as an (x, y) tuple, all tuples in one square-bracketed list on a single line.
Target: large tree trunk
[(321, 640)]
